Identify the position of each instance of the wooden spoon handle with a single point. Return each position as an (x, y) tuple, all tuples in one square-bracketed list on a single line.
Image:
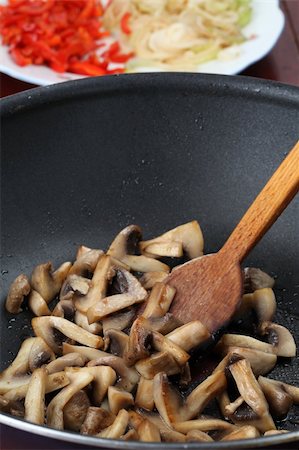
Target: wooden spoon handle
[(266, 208)]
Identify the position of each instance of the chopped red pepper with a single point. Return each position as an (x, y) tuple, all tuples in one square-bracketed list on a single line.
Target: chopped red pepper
[(124, 23), (63, 34)]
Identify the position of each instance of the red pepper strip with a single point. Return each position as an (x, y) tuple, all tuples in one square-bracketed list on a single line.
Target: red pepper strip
[(19, 58), (85, 68), (121, 57), (124, 23)]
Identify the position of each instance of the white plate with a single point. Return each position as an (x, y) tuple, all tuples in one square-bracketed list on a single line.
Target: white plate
[(263, 32)]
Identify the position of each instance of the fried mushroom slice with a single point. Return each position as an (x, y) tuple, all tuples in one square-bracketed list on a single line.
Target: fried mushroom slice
[(118, 428), (87, 352), (48, 282), (167, 400), (198, 436), (38, 305), (240, 340), (86, 261), (189, 336), (157, 362), (119, 399), (74, 284), (261, 362), (19, 289), (149, 279), (255, 279), (280, 338), (187, 237), (244, 432), (144, 396), (148, 432), (168, 434), (64, 309), (163, 344), (108, 305), (139, 342), (165, 324), (203, 424), (252, 394), (117, 341), (280, 401), (40, 354), (78, 380), (35, 397), (46, 326), (75, 410), (96, 420), (119, 320), (69, 360), (159, 301), (82, 321), (261, 301), (124, 246)]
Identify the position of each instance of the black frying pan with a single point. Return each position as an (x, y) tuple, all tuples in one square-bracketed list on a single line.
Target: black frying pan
[(83, 159)]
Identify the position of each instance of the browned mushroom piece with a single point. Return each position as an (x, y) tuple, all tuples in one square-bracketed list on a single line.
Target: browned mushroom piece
[(167, 433), (130, 435), (144, 397), (162, 344), (244, 432), (139, 342), (40, 354), (255, 279), (108, 305), (38, 305), (135, 418), (203, 424), (159, 301), (13, 407), (129, 377), (231, 407), (78, 380), (274, 432), (82, 321), (165, 324), (189, 336), (88, 352), (119, 399), (185, 377), (48, 282), (279, 400), (280, 338), (149, 279), (86, 261), (156, 363), (148, 432), (69, 360), (96, 420), (198, 436), (256, 410), (74, 284), (47, 327), (261, 301), (167, 400), (116, 341), (124, 247), (120, 320), (64, 309), (187, 237), (240, 340), (75, 410), (98, 286), (261, 362), (35, 397), (118, 427), (19, 289)]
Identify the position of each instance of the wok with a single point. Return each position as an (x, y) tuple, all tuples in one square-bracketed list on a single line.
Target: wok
[(83, 159)]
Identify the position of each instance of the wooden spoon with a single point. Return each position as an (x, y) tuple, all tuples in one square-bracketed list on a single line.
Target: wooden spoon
[(209, 288)]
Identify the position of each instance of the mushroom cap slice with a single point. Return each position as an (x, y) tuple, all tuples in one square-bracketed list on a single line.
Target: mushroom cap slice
[(38, 305), (244, 432), (168, 434), (19, 288), (198, 436), (74, 284), (35, 397), (40, 354), (239, 340), (148, 432), (280, 338), (48, 283), (156, 363), (280, 401), (163, 344), (149, 279), (255, 279), (144, 397), (159, 301), (207, 424), (261, 362), (64, 309), (119, 399), (96, 420), (167, 400), (118, 428), (139, 342), (82, 321), (87, 352), (190, 335), (117, 341), (78, 380), (75, 410), (86, 261), (68, 360), (45, 326), (119, 320)]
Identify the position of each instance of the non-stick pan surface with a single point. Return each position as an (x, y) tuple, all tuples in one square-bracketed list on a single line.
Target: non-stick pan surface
[(83, 159)]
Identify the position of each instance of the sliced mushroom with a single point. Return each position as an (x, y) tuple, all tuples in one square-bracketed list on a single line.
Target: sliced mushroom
[(207, 424), (198, 436), (35, 397), (158, 362), (167, 433), (135, 294), (96, 420), (46, 327), (87, 352), (125, 244), (233, 406), (64, 309), (244, 432), (40, 353), (19, 289), (119, 320), (135, 418), (261, 362), (280, 401), (119, 399), (159, 301), (190, 335), (48, 283), (148, 432), (149, 279), (98, 287), (165, 324), (117, 341), (86, 261), (239, 340), (163, 344), (128, 375), (15, 408), (274, 432), (38, 305), (144, 396), (81, 321), (252, 394), (75, 410), (69, 360), (78, 380), (261, 301), (139, 342), (197, 400), (185, 377), (255, 279), (74, 284), (118, 428), (280, 338), (188, 235), (167, 400)]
